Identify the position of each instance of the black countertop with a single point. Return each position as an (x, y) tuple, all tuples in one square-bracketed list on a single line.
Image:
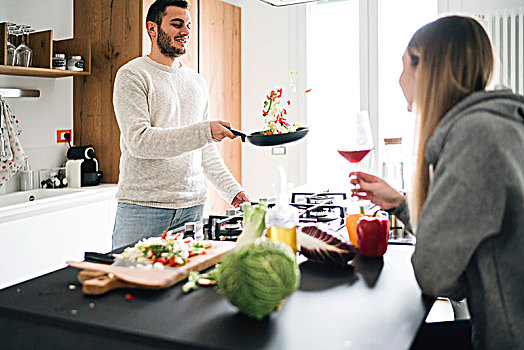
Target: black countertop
[(376, 304)]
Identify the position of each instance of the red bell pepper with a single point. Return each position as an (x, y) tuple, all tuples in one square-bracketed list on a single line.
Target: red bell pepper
[(372, 236)]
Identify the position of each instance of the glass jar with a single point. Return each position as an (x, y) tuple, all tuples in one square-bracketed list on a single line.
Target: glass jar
[(393, 167), (75, 63), (59, 61)]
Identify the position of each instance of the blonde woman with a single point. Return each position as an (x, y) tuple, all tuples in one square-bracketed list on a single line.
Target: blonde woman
[(469, 183)]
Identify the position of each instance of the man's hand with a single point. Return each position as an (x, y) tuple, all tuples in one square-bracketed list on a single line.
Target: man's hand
[(219, 130), (375, 189), (240, 198)]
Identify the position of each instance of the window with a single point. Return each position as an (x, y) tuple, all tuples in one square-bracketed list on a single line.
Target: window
[(333, 76), (354, 61), (398, 21)]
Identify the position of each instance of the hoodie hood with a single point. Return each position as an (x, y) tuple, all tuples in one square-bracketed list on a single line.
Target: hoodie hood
[(499, 103)]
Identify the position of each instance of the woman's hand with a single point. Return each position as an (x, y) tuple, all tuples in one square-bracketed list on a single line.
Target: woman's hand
[(240, 198), (375, 189)]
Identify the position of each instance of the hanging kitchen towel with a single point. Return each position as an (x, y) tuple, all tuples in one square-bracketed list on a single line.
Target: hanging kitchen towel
[(12, 156)]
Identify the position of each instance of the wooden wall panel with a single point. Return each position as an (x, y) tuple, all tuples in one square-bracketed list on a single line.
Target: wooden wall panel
[(220, 63), (115, 31), (42, 45)]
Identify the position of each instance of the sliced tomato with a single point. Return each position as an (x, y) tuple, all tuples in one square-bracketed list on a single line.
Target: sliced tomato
[(161, 260)]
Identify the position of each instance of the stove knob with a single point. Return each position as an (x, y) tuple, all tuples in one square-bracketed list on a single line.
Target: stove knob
[(231, 212)]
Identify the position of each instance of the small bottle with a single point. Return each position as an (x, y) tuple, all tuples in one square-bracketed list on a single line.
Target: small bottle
[(27, 178), (75, 63), (282, 219), (59, 61)]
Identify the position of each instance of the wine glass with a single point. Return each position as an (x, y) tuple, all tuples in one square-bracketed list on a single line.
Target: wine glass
[(359, 142), (23, 53)]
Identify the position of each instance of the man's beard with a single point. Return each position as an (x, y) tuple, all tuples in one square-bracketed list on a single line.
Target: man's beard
[(164, 44)]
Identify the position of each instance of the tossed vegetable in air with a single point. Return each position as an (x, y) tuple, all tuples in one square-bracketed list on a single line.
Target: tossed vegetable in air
[(257, 277), (319, 243), (274, 114), (253, 223), (372, 235)]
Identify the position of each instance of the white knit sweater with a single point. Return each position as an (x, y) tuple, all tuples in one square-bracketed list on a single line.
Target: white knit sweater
[(166, 144)]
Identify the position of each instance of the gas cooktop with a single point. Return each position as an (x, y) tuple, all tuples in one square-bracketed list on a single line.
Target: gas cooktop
[(326, 207)]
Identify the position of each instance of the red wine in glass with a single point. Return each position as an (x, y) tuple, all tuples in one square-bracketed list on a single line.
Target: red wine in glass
[(354, 156)]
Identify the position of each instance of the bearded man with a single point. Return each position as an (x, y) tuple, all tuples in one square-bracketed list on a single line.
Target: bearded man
[(167, 136)]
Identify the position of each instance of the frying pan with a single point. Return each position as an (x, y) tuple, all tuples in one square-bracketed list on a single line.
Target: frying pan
[(258, 139)]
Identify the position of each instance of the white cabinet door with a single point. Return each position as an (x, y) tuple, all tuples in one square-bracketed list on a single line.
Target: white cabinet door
[(43, 243)]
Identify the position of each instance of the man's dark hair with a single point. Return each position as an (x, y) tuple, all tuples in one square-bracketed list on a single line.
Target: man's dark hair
[(157, 10)]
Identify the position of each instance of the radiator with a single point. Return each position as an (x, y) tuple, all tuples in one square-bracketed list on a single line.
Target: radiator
[(506, 30)]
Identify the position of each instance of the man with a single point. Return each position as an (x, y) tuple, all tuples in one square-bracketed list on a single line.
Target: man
[(162, 109)]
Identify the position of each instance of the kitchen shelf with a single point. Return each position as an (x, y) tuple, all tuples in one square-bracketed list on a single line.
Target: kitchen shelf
[(43, 47), (38, 72)]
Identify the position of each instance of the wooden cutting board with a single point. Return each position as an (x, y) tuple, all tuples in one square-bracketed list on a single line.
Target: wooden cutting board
[(98, 279)]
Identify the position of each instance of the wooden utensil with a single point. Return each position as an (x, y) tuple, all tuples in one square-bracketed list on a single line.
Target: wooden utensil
[(98, 279)]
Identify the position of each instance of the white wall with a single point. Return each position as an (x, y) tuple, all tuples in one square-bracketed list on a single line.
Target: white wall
[(41, 117), (272, 39)]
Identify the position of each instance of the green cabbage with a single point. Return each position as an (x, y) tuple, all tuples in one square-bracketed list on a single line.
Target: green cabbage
[(257, 277)]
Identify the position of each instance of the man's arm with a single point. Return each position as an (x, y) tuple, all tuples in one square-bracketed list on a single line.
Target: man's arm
[(219, 175), (142, 139)]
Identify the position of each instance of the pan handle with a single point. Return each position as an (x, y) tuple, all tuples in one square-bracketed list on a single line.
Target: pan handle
[(238, 133)]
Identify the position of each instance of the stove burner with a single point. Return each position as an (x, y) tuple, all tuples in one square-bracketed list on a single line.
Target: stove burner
[(325, 197), (320, 212), (313, 207), (316, 199)]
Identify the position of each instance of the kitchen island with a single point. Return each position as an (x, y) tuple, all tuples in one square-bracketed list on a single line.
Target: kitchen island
[(374, 304)]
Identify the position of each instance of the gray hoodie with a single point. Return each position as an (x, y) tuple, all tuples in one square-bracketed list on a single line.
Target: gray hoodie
[(470, 237)]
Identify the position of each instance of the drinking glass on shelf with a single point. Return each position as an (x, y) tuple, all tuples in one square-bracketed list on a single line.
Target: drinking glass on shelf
[(23, 53), (359, 142)]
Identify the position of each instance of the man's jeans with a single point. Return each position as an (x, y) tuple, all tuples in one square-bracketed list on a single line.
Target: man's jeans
[(135, 222)]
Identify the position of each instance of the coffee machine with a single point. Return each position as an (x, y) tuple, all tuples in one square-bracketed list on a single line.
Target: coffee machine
[(82, 167)]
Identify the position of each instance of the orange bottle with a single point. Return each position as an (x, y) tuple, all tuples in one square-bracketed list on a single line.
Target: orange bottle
[(351, 225)]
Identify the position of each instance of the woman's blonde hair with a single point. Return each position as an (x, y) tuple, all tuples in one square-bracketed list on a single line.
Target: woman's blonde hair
[(453, 58)]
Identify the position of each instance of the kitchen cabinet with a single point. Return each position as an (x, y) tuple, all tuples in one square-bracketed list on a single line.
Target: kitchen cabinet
[(43, 47), (46, 233), (116, 31)]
